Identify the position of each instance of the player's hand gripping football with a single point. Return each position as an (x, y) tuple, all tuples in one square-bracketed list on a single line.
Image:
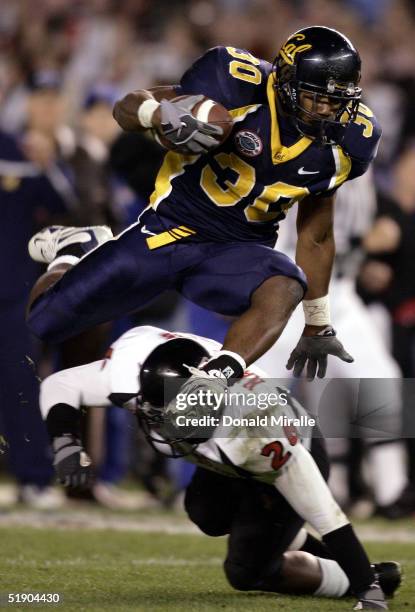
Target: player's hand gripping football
[(72, 465), (185, 133), (313, 350)]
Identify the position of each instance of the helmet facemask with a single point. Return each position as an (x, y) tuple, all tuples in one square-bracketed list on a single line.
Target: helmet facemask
[(160, 433), (325, 130)]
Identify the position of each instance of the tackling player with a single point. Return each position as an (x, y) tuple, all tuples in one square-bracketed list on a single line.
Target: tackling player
[(299, 132), (258, 486)]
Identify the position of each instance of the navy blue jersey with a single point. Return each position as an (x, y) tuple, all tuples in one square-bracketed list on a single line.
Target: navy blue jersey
[(242, 189)]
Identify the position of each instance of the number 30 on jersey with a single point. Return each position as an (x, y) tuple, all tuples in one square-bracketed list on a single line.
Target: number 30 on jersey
[(234, 179)]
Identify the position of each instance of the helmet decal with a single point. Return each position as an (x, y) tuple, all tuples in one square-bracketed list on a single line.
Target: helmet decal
[(290, 49)]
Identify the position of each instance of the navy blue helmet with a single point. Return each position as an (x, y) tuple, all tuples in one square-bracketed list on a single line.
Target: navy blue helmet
[(322, 62)]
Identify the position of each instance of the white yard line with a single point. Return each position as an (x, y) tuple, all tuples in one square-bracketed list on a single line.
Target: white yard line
[(372, 533), (78, 561), (173, 524), (90, 519)]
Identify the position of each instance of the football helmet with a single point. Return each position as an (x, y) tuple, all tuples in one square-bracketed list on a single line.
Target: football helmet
[(161, 377), (324, 63)]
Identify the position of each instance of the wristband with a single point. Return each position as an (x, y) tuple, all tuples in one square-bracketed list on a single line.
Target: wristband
[(235, 356), (145, 112), (317, 312), (226, 364)]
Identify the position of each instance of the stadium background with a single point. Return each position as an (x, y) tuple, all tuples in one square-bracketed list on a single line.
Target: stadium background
[(62, 66)]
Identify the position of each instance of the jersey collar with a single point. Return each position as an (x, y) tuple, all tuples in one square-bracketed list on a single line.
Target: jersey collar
[(280, 153)]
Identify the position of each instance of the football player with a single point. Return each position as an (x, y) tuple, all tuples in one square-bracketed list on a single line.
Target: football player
[(299, 132), (256, 483)]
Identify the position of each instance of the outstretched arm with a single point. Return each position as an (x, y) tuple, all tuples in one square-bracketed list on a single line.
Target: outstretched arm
[(315, 245), (315, 255), (86, 385), (61, 396)]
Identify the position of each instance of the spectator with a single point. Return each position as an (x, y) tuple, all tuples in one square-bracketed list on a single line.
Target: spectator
[(90, 159), (29, 201)]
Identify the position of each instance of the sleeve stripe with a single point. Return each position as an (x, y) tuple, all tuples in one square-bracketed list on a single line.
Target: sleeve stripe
[(239, 114), (343, 166)]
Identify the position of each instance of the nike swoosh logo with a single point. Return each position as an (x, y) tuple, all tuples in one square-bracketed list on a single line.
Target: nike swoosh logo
[(81, 237), (302, 171), (146, 231)]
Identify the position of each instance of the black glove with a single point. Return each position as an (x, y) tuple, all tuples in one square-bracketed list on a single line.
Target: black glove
[(188, 135), (72, 464), (315, 349)]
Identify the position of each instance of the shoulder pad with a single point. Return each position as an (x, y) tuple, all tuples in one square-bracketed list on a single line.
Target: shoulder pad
[(233, 77), (362, 140)]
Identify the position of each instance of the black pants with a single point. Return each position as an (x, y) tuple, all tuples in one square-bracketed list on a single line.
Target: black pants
[(260, 522)]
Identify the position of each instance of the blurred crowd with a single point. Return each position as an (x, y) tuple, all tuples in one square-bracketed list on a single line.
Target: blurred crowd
[(63, 160)]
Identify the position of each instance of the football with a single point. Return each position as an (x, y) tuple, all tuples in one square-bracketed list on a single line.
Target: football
[(207, 111)]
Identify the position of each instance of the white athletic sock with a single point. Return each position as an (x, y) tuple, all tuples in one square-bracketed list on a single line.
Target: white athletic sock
[(63, 259), (387, 465), (334, 582)]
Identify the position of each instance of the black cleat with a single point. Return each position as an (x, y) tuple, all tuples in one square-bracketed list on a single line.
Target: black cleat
[(371, 599), (389, 575)]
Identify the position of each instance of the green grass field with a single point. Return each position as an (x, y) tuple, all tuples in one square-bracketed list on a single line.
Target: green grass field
[(111, 570)]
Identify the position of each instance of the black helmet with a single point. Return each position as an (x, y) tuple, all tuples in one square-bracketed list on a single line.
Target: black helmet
[(161, 377), (324, 62), (165, 363)]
